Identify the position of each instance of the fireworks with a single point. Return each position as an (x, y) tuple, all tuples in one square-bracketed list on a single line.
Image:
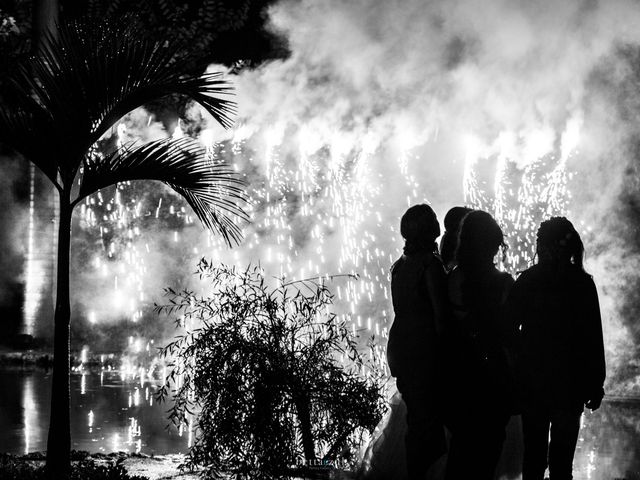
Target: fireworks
[(320, 205), (522, 197)]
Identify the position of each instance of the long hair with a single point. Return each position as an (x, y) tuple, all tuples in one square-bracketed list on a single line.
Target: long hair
[(559, 242), (452, 221), (419, 227), (479, 240)]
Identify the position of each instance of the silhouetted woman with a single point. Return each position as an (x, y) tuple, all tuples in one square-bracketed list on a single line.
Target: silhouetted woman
[(449, 242), (477, 375), (418, 291), (554, 306)]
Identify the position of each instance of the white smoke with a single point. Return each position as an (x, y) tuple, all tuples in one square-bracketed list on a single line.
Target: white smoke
[(423, 77), (377, 108)]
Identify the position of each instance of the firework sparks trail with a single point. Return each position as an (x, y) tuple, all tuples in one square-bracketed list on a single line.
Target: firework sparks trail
[(311, 217), (368, 117), (317, 210), (521, 200)]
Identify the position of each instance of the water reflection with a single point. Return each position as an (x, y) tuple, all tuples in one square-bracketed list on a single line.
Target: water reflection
[(30, 415), (90, 421), (115, 412), (608, 444), (109, 412)]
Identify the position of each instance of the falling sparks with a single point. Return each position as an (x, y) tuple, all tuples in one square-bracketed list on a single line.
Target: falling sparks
[(522, 198), (319, 206)]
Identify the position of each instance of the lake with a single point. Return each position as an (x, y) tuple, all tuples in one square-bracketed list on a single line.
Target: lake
[(115, 412), (109, 412)]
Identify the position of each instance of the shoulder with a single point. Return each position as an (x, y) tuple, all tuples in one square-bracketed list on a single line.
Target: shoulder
[(397, 264), (504, 283), (433, 261), (585, 280), (531, 274), (420, 261), (525, 282), (434, 271), (504, 278), (427, 261)]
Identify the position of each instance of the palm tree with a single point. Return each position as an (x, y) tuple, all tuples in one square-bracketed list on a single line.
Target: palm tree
[(86, 77)]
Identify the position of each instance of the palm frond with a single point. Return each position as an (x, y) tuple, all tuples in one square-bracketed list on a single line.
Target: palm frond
[(214, 191), (93, 73)]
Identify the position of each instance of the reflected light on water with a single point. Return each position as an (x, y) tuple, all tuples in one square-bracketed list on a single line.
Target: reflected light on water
[(90, 421), (30, 414), (102, 422), (134, 433)]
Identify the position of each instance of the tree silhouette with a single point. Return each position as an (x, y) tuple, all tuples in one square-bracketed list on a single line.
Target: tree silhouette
[(59, 103)]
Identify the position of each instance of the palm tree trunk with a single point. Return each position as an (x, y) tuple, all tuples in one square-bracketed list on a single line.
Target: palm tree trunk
[(45, 17), (59, 440)]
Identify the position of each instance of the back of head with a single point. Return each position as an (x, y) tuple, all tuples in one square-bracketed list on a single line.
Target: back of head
[(419, 227), (454, 217), (479, 239), (452, 221), (559, 243)]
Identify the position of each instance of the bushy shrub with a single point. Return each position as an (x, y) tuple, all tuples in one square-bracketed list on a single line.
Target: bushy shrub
[(16, 468), (274, 378)]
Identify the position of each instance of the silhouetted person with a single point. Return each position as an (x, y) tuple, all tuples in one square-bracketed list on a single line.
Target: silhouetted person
[(418, 291), (449, 241), (478, 379), (554, 306)]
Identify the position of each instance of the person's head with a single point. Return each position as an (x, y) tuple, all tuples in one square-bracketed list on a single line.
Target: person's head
[(479, 240), (452, 221), (419, 227), (454, 217), (559, 242)]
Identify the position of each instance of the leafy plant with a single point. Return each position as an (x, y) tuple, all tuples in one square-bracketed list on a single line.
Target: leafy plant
[(271, 375)]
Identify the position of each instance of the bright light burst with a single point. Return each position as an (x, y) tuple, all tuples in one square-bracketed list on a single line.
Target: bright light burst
[(320, 205), (522, 197)]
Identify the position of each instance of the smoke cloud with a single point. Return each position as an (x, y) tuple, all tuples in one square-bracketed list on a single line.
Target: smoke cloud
[(418, 81), (383, 104)]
